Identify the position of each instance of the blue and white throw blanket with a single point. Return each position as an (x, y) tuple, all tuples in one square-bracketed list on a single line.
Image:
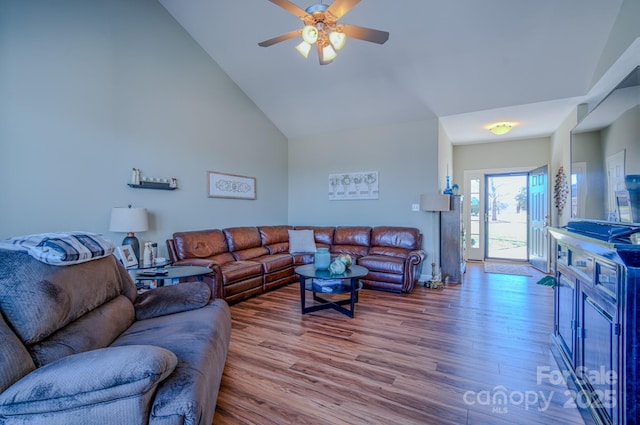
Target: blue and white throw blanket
[(61, 249)]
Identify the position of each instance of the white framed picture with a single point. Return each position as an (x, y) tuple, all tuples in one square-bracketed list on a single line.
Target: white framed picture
[(126, 256), (349, 186), (224, 185)]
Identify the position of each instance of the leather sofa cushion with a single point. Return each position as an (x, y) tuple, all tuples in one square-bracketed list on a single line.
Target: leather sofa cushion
[(396, 237), (274, 234), (352, 236), (251, 253), (389, 251), (351, 240), (275, 262), (240, 238), (382, 263), (200, 244), (239, 270)]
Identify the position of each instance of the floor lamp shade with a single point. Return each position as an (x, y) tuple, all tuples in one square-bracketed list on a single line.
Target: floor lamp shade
[(435, 202), (129, 220)]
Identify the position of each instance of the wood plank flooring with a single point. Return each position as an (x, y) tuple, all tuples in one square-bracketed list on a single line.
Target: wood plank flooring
[(465, 354)]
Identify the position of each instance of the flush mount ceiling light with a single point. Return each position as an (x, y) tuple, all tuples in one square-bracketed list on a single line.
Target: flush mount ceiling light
[(322, 29), (500, 127)]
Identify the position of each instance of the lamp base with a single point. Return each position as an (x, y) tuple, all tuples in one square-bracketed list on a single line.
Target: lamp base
[(434, 283), (131, 239)]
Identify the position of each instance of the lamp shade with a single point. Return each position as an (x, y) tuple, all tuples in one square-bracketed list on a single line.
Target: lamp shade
[(435, 202), (128, 220)]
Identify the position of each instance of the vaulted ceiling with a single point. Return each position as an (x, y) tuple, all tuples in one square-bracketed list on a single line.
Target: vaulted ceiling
[(467, 62)]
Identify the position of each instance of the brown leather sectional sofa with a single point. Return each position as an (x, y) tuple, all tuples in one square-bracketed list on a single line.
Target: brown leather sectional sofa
[(246, 261)]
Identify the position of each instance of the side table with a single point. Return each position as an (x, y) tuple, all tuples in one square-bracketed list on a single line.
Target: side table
[(170, 273)]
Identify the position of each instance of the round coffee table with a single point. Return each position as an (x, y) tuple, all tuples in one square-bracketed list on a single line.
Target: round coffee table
[(323, 282)]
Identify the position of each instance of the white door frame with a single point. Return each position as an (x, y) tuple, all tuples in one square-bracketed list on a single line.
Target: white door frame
[(479, 253)]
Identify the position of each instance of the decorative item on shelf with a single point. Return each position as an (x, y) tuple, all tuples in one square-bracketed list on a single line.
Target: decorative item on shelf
[(560, 190), (129, 220), (448, 190), (139, 182), (455, 188), (322, 259), (337, 267), (135, 176)]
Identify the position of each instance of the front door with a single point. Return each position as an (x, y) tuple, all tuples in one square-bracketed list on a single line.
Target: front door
[(506, 216), (539, 218)]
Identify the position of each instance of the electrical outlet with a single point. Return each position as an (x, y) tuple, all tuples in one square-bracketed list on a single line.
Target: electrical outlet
[(415, 207)]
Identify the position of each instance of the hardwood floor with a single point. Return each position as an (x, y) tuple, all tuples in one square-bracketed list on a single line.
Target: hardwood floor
[(435, 356)]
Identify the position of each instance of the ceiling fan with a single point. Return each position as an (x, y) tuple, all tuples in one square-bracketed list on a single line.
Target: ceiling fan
[(322, 29)]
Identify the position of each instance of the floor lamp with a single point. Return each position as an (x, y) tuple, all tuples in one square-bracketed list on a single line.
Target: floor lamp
[(436, 203)]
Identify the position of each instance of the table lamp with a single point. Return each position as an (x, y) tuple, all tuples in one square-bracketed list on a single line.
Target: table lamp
[(129, 220)]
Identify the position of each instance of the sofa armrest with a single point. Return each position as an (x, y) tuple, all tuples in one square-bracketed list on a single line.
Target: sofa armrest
[(172, 299), (412, 269), (81, 385)]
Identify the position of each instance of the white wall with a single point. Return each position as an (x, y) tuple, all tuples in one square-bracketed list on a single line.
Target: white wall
[(406, 157), (445, 159), (514, 154), (561, 157), (625, 30), (90, 89)]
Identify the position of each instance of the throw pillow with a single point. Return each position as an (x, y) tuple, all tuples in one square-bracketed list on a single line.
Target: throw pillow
[(301, 241)]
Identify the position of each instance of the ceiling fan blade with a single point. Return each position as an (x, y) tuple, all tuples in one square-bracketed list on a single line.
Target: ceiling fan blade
[(339, 7), (366, 34), (280, 38), (290, 7)]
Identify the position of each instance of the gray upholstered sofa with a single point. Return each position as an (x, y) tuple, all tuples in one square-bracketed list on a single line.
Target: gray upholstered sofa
[(80, 346)]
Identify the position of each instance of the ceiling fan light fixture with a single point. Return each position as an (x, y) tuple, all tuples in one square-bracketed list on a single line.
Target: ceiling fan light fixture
[(310, 34), (337, 39), (304, 48), (328, 54), (500, 128)]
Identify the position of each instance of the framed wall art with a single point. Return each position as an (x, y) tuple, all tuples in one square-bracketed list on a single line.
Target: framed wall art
[(347, 186), (223, 185)]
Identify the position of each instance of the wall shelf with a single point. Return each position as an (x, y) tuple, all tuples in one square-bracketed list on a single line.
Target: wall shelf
[(152, 185)]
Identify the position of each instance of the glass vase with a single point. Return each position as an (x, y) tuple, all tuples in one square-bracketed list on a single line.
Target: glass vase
[(322, 259)]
